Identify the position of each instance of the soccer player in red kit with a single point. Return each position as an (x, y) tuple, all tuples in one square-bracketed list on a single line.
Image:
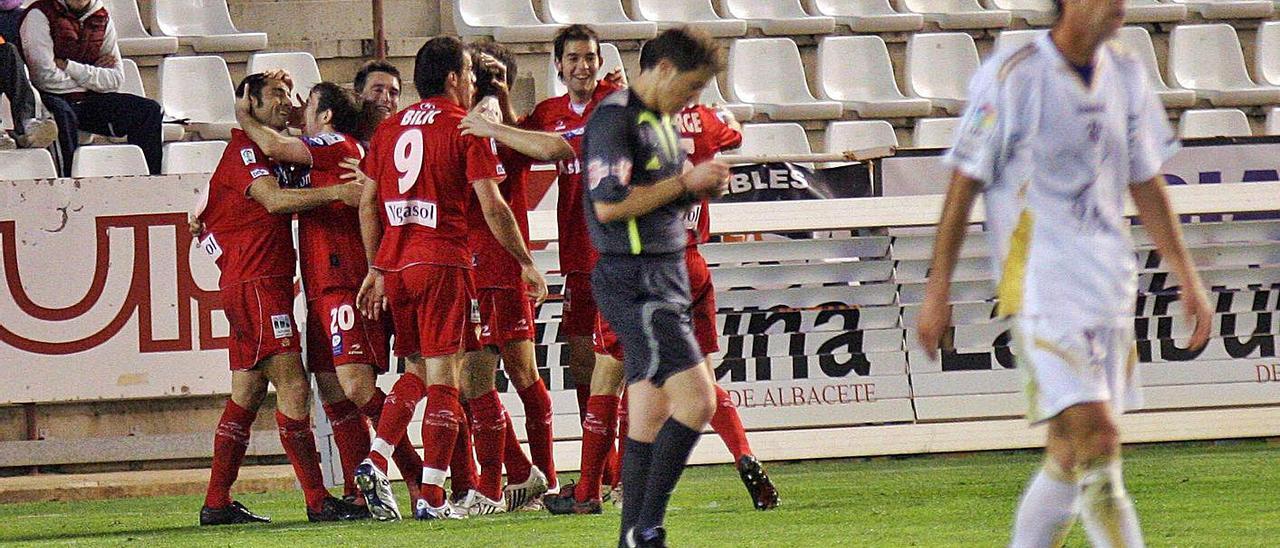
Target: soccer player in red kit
[(414, 228), (245, 224)]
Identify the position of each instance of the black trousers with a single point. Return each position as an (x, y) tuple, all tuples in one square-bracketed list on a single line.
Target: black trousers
[(16, 85), (136, 118)]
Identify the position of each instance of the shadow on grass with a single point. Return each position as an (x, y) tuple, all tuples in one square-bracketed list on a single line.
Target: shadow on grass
[(146, 533)]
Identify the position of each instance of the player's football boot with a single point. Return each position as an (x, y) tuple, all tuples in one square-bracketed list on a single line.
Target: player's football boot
[(654, 537), (336, 509), (423, 511), (566, 503), (376, 488), (476, 504), (763, 494), (615, 496), (520, 494), (230, 515)]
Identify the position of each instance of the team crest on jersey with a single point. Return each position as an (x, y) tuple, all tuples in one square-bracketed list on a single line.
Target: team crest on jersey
[(248, 156), (337, 344)]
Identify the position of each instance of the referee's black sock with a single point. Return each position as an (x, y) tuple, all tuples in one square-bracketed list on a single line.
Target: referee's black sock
[(671, 451), (636, 461)]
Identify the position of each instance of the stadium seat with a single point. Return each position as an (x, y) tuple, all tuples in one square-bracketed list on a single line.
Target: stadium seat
[(711, 96), (505, 20), (133, 38), (934, 132), (695, 13), (778, 17), (205, 25), (301, 65), (6, 115), (1208, 59), (957, 14), (1137, 41), (27, 163), (856, 71), (605, 16), (939, 66), (192, 157), (869, 15), (784, 93), (1223, 122), (764, 139), (610, 59), (1273, 121), (1153, 11), (1267, 54), (108, 161), (199, 90), (1040, 13), (860, 135), (133, 85), (1230, 9), (1012, 39)]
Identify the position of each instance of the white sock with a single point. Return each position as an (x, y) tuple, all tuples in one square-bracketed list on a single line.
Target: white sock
[(1047, 509), (382, 448), (1108, 514)]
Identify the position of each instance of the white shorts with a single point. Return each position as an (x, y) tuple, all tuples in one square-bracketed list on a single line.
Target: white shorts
[(1064, 365)]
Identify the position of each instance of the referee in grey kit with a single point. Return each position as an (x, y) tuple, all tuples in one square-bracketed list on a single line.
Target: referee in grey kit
[(636, 196)]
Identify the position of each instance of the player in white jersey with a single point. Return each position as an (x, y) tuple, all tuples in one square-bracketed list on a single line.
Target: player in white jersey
[(1056, 133)]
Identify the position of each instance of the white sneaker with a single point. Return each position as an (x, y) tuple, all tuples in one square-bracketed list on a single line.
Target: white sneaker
[(520, 494), (424, 511), (38, 133), (376, 488), (476, 504), (7, 142)]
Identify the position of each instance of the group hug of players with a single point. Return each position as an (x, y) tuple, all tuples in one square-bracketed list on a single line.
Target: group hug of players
[(425, 235)]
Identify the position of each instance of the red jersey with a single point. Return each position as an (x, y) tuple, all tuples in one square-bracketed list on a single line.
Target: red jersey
[(246, 241), (424, 167), (330, 251), (495, 267), (556, 115), (702, 135)]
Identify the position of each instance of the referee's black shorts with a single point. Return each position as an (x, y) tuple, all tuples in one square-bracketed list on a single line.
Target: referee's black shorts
[(645, 299)]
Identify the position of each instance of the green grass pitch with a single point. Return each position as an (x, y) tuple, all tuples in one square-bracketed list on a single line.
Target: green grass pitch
[(1186, 494)]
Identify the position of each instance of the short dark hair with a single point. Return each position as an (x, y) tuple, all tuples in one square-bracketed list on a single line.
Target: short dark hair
[(436, 59), (253, 84), (686, 48), (1057, 7), (342, 103), (484, 78), (573, 33), (376, 65)]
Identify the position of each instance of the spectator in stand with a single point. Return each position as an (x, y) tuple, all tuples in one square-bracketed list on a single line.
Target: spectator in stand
[(70, 47), (10, 18), (33, 127)]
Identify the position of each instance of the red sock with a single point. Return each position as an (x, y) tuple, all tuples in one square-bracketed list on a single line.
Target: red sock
[(300, 445), (462, 463), (728, 425), (351, 435), (537, 427), (622, 441), (230, 441), (405, 455), (489, 429), (518, 465), (597, 439), (397, 411), (584, 396), (440, 426)]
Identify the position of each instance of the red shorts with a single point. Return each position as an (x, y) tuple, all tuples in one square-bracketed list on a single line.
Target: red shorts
[(605, 340), (579, 317), (338, 334), (261, 316), (703, 310), (506, 316), (434, 310)]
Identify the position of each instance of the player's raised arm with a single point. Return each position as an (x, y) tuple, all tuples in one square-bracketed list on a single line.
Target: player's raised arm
[(541, 146), (935, 314), (1165, 231), (277, 145)]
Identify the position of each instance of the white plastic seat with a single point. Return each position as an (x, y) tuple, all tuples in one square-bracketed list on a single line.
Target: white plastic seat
[(768, 73), (778, 17), (133, 85), (605, 16), (192, 157), (694, 13), (132, 37), (773, 139), (1136, 41), (301, 66), (1267, 54), (27, 163), (6, 114), (856, 71), (1153, 11), (869, 15), (108, 161), (1034, 12), (939, 66), (1224, 122), (860, 135), (1011, 39), (610, 59), (957, 14), (505, 20), (711, 96), (199, 89), (1208, 59), (1230, 9), (934, 132), (1273, 121), (205, 25)]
